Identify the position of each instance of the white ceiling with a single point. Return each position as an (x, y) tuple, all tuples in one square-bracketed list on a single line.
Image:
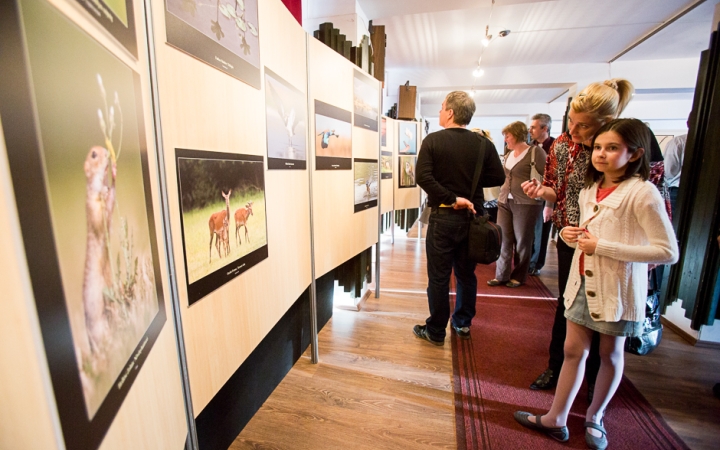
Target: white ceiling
[(431, 40)]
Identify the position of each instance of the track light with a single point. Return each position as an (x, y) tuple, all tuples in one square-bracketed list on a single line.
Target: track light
[(478, 72), (486, 40)]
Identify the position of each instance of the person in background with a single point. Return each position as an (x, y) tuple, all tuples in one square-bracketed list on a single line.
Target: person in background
[(490, 194), (567, 163), (674, 155), (445, 169), (540, 135), (517, 213), (623, 225)]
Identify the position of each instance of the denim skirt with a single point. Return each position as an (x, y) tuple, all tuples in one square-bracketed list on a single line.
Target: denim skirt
[(580, 314)]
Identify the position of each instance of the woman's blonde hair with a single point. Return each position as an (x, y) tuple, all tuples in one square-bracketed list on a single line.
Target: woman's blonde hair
[(604, 100), (485, 133), (518, 130)]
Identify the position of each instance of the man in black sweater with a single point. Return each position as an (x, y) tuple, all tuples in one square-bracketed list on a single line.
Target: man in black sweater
[(445, 169)]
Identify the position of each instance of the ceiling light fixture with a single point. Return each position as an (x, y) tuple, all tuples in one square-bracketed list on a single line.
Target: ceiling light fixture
[(478, 72)]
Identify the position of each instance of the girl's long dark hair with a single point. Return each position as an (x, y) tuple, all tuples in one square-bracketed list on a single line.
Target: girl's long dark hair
[(635, 135)]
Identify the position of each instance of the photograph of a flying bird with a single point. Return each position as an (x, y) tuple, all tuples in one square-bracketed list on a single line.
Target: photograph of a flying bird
[(326, 135), (292, 122)]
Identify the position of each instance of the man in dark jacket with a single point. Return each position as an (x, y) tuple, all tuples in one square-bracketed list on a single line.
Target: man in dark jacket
[(445, 169)]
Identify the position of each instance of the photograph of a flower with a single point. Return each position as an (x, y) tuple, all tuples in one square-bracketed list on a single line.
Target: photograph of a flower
[(222, 33), (366, 184), (407, 138), (286, 116), (333, 137), (406, 166), (224, 225), (386, 165), (84, 161), (116, 16), (366, 101)]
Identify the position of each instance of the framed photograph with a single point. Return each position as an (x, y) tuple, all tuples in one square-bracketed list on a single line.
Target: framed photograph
[(223, 219), (286, 116), (386, 165), (116, 16), (73, 121), (366, 101), (407, 138), (333, 137), (406, 166), (383, 132), (221, 33), (366, 184)]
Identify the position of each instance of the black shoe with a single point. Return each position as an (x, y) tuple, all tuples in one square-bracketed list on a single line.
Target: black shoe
[(462, 332), (546, 380), (421, 332), (593, 442), (558, 433), (591, 392)]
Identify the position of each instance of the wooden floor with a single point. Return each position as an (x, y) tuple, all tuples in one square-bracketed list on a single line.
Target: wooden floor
[(379, 387)]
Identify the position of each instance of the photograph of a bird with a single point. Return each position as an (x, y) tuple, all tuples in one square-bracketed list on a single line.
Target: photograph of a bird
[(288, 116), (326, 135), (410, 173)]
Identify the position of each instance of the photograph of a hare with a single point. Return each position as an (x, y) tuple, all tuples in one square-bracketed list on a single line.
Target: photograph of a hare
[(223, 210)]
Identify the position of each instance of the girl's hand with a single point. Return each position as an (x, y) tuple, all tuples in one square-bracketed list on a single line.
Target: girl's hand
[(587, 242), (532, 188), (571, 234)]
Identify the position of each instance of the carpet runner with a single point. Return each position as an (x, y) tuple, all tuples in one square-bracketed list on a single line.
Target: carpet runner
[(508, 349)]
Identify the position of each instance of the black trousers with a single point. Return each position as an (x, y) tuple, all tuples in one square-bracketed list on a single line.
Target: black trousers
[(559, 330), (446, 247)]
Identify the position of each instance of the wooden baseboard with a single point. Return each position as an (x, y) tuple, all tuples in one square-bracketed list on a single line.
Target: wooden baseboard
[(679, 331), (708, 344)]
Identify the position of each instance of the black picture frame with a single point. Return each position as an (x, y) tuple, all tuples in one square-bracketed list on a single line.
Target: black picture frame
[(366, 184), (184, 32), (366, 108), (333, 122), (46, 148), (285, 118), (113, 21), (231, 173)]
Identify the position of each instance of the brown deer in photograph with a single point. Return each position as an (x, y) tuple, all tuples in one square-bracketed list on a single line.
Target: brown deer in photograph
[(218, 225), (241, 217), (99, 206)]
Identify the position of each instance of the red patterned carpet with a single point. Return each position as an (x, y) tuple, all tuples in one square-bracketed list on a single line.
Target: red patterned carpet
[(508, 349)]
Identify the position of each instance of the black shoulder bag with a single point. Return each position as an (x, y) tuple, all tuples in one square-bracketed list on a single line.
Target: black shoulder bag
[(484, 236), (652, 327)]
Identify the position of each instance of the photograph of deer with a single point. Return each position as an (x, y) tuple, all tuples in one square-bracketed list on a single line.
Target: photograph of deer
[(82, 160), (407, 138), (224, 226), (366, 183), (286, 116)]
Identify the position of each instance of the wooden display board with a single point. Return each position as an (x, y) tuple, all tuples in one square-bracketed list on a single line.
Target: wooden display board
[(205, 109), (405, 198), (150, 411), (339, 232), (388, 184)]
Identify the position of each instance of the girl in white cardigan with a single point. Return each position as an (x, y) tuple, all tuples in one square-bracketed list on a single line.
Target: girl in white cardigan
[(623, 227)]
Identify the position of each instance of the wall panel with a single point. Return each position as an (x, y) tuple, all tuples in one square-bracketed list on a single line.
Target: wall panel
[(205, 109), (339, 233)]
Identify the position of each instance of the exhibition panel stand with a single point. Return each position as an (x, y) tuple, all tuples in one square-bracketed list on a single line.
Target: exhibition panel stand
[(87, 291)]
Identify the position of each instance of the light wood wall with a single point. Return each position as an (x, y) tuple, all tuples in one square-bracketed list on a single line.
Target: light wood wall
[(152, 415), (339, 232), (405, 198), (205, 109)]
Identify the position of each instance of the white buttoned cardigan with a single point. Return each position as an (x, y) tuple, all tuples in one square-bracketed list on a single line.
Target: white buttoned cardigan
[(633, 229)]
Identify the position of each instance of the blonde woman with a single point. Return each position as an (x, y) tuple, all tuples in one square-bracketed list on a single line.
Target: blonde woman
[(517, 213), (567, 164)]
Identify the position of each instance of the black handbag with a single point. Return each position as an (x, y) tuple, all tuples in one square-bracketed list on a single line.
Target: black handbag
[(484, 236), (652, 326)]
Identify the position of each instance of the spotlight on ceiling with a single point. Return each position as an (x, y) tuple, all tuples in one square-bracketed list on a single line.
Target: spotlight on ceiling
[(478, 72), (504, 33), (486, 40)]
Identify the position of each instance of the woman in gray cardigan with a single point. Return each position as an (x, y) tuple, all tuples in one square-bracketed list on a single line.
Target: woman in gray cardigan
[(517, 213)]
